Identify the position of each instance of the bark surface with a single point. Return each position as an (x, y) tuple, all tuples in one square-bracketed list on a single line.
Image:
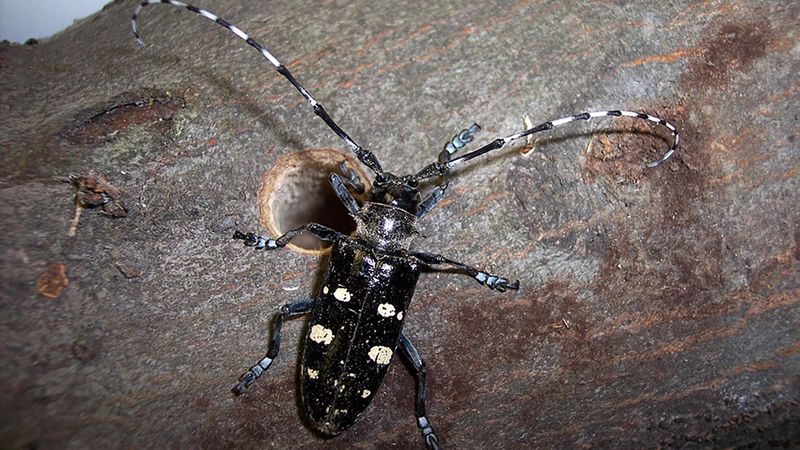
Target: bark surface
[(658, 307)]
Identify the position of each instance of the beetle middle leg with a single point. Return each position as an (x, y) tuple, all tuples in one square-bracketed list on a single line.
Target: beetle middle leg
[(258, 242), (411, 355), (495, 282), (287, 311)]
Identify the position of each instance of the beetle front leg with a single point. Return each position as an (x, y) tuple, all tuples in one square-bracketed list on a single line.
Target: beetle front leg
[(458, 142), (258, 242), (340, 188), (431, 200), (495, 282), (351, 178), (287, 311), (411, 355)]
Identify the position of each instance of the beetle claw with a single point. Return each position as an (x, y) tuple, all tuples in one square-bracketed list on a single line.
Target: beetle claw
[(244, 381), (501, 284), (513, 286), (256, 241), (432, 441), (249, 239)]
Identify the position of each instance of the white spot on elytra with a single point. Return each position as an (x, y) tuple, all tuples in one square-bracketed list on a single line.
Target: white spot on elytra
[(325, 290), (400, 315), (365, 393), (320, 334), (313, 374), (386, 309), (380, 354), (341, 294)]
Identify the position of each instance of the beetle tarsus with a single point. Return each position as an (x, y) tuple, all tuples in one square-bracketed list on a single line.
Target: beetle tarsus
[(431, 440), (244, 382), (252, 375), (351, 178), (458, 142), (256, 241), (455, 144), (501, 284)]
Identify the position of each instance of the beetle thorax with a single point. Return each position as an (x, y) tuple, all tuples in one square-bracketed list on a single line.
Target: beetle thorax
[(385, 227)]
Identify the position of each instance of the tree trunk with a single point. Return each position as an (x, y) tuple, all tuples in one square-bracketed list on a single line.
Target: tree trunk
[(658, 307)]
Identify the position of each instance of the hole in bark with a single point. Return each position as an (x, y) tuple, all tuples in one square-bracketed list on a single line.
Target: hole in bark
[(296, 191)]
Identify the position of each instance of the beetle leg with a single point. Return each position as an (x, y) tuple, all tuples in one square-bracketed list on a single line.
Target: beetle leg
[(411, 355), (458, 142), (351, 178), (258, 242), (287, 311), (495, 282), (455, 144), (431, 200), (340, 188)]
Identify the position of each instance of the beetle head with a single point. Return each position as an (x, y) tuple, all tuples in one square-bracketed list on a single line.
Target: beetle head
[(401, 192)]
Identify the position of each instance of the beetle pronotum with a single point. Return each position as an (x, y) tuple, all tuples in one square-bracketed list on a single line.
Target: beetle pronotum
[(356, 320)]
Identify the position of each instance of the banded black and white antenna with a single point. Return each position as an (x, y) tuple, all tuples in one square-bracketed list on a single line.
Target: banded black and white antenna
[(363, 155), (442, 168)]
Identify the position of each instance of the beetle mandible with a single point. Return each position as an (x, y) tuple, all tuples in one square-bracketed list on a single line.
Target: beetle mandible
[(356, 320)]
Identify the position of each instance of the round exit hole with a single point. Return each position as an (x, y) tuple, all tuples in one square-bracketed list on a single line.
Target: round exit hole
[(296, 191)]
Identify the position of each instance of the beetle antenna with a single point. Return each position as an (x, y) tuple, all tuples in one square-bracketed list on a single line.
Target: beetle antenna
[(364, 155), (439, 169)]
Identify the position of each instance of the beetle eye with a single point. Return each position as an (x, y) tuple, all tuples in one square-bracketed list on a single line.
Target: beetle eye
[(380, 178), (412, 182)]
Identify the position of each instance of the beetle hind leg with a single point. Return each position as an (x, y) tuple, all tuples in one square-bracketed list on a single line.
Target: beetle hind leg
[(411, 355), (287, 311)]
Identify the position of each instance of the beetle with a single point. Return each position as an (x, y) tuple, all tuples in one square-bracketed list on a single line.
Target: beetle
[(356, 320)]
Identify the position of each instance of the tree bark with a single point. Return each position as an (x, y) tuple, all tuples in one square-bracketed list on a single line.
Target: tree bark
[(658, 307)]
